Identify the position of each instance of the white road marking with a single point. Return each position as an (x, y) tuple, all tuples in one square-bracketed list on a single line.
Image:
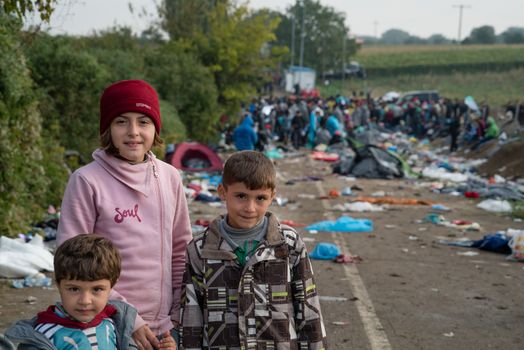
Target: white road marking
[(375, 332)]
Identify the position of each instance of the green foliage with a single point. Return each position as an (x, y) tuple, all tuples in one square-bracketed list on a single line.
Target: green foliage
[(23, 179), (118, 50), (482, 35), (71, 81), (394, 37), (326, 42), (186, 85), (22, 7), (513, 35), (183, 19), (233, 50), (173, 129)]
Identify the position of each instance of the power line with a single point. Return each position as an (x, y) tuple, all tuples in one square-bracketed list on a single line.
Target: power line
[(461, 7)]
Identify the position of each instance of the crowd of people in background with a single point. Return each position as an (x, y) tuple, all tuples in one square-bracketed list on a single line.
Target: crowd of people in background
[(295, 121)]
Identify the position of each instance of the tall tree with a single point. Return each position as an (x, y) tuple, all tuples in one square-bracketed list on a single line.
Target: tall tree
[(326, 41), (482, 35), (394, 37), (22, 7), (230, 41), (183, 18), (513, 35)]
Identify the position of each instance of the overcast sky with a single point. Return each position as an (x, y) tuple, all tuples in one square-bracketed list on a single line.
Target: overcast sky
[(364, 17)]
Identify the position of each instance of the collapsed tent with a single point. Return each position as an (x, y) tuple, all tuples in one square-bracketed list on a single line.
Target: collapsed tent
[(370, 162), (194, 156)]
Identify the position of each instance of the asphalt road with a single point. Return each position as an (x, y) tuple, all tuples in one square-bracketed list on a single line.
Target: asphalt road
[(408, 292)]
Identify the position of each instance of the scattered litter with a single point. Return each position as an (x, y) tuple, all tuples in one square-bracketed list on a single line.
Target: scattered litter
[(413, 238), (308, 239), (517, 246), (378, 194), (334, 193), (38, 280), (329, 298), (325, 251), (468, 253), (30, 300), (306, 195), (19, 260), (459, 224), (357, 207), (390, 226), (444, 175), (346, 191), (495, 206), (340, 323), (392, 200), (440, 207), (435, 290), (326, 157), (405, 250), (449, 335), (303, 179), (281, 201), (347, 259)]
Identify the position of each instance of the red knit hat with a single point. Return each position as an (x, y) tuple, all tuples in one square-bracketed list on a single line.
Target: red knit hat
[(129, 96)]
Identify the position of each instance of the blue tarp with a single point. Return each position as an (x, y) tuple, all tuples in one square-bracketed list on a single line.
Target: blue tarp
[(325, 251), (342, 224)]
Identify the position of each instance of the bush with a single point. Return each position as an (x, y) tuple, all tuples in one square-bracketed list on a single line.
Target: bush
[(24, 183)]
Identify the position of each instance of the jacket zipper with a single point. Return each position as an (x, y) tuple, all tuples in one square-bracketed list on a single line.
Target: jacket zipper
[(159, 194)]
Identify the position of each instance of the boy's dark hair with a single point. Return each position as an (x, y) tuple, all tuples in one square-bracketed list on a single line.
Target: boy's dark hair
[(107, 144), (252, 168), (87, 257)]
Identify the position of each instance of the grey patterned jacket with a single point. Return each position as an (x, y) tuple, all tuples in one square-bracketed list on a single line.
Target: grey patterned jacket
[(270, 303)]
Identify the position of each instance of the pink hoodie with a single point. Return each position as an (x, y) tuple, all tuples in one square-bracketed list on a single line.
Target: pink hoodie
[(143, 210)]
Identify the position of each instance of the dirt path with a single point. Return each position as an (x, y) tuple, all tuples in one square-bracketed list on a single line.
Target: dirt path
[(409, 292)]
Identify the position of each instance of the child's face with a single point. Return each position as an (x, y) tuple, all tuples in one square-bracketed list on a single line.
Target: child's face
[(83, 300), (245, 207), (133, 134)]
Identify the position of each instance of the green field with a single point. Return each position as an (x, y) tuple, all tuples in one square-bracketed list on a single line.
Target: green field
[(491, 73)]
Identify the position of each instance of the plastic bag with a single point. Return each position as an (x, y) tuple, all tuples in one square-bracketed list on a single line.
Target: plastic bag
[(517, 246)]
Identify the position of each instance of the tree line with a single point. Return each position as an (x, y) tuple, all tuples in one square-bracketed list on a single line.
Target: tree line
[(483, 35)]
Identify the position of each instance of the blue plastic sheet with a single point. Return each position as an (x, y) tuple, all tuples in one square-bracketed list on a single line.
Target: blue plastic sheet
[(325, 251), (342, 224)]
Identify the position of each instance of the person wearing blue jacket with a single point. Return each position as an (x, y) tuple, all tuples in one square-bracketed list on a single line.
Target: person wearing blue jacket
[(244, 136)]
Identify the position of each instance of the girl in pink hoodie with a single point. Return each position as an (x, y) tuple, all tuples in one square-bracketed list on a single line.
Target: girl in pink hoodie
[(137, 201)]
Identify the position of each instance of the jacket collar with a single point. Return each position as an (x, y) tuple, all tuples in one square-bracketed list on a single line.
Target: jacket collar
[(214, 247), (136, 176)]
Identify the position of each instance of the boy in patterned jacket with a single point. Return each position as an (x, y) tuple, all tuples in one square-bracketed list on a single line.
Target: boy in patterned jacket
[(248, 282)]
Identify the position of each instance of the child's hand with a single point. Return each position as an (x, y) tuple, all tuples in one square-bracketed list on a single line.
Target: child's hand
[(145, 339), (167, 342)]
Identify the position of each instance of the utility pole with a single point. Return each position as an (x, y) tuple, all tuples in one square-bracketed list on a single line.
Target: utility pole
[(375, 24), (461, 7), (344, 59), (292, 39), (302, 34)]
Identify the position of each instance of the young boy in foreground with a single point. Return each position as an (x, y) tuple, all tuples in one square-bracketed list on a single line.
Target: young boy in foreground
[(248, 282), (86, 268)]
